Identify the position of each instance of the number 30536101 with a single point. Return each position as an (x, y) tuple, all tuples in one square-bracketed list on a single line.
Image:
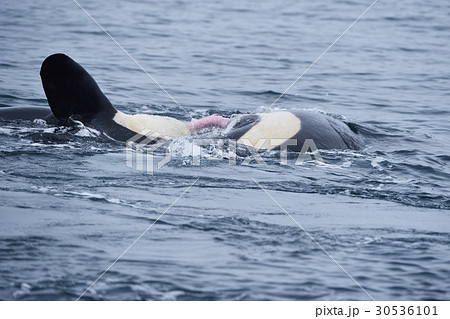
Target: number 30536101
[(404, 311)]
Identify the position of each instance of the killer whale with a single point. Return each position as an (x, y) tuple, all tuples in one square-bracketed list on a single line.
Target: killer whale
[(27, 113), (291, 129), (73, 94)]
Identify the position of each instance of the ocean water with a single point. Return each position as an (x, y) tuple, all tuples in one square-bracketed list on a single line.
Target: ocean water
[(70, 206)]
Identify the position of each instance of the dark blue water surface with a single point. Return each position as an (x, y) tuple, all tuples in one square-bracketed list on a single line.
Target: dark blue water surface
[(69, 205)]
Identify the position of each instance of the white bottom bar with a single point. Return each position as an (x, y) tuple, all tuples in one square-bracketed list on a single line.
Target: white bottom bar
[(225, 309)]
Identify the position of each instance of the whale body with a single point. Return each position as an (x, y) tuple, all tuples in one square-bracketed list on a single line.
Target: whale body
[(73, 94)]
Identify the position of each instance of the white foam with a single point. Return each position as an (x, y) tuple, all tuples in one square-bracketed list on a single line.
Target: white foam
[(6, 130), (23, 291), (95, 196), (376, 163), (87, 132), (40, 122)]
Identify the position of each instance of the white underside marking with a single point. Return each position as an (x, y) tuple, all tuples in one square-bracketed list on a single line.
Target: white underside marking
[(275, 128), (162, 126)]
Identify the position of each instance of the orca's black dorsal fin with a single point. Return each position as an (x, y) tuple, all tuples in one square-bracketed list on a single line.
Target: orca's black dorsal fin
[(71, 91)]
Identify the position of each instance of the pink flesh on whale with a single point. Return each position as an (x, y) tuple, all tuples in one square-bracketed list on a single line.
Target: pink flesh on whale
[(209, 121)]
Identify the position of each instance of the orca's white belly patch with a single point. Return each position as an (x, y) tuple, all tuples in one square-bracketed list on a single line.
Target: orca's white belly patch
[(153, 125), (272, 130)]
